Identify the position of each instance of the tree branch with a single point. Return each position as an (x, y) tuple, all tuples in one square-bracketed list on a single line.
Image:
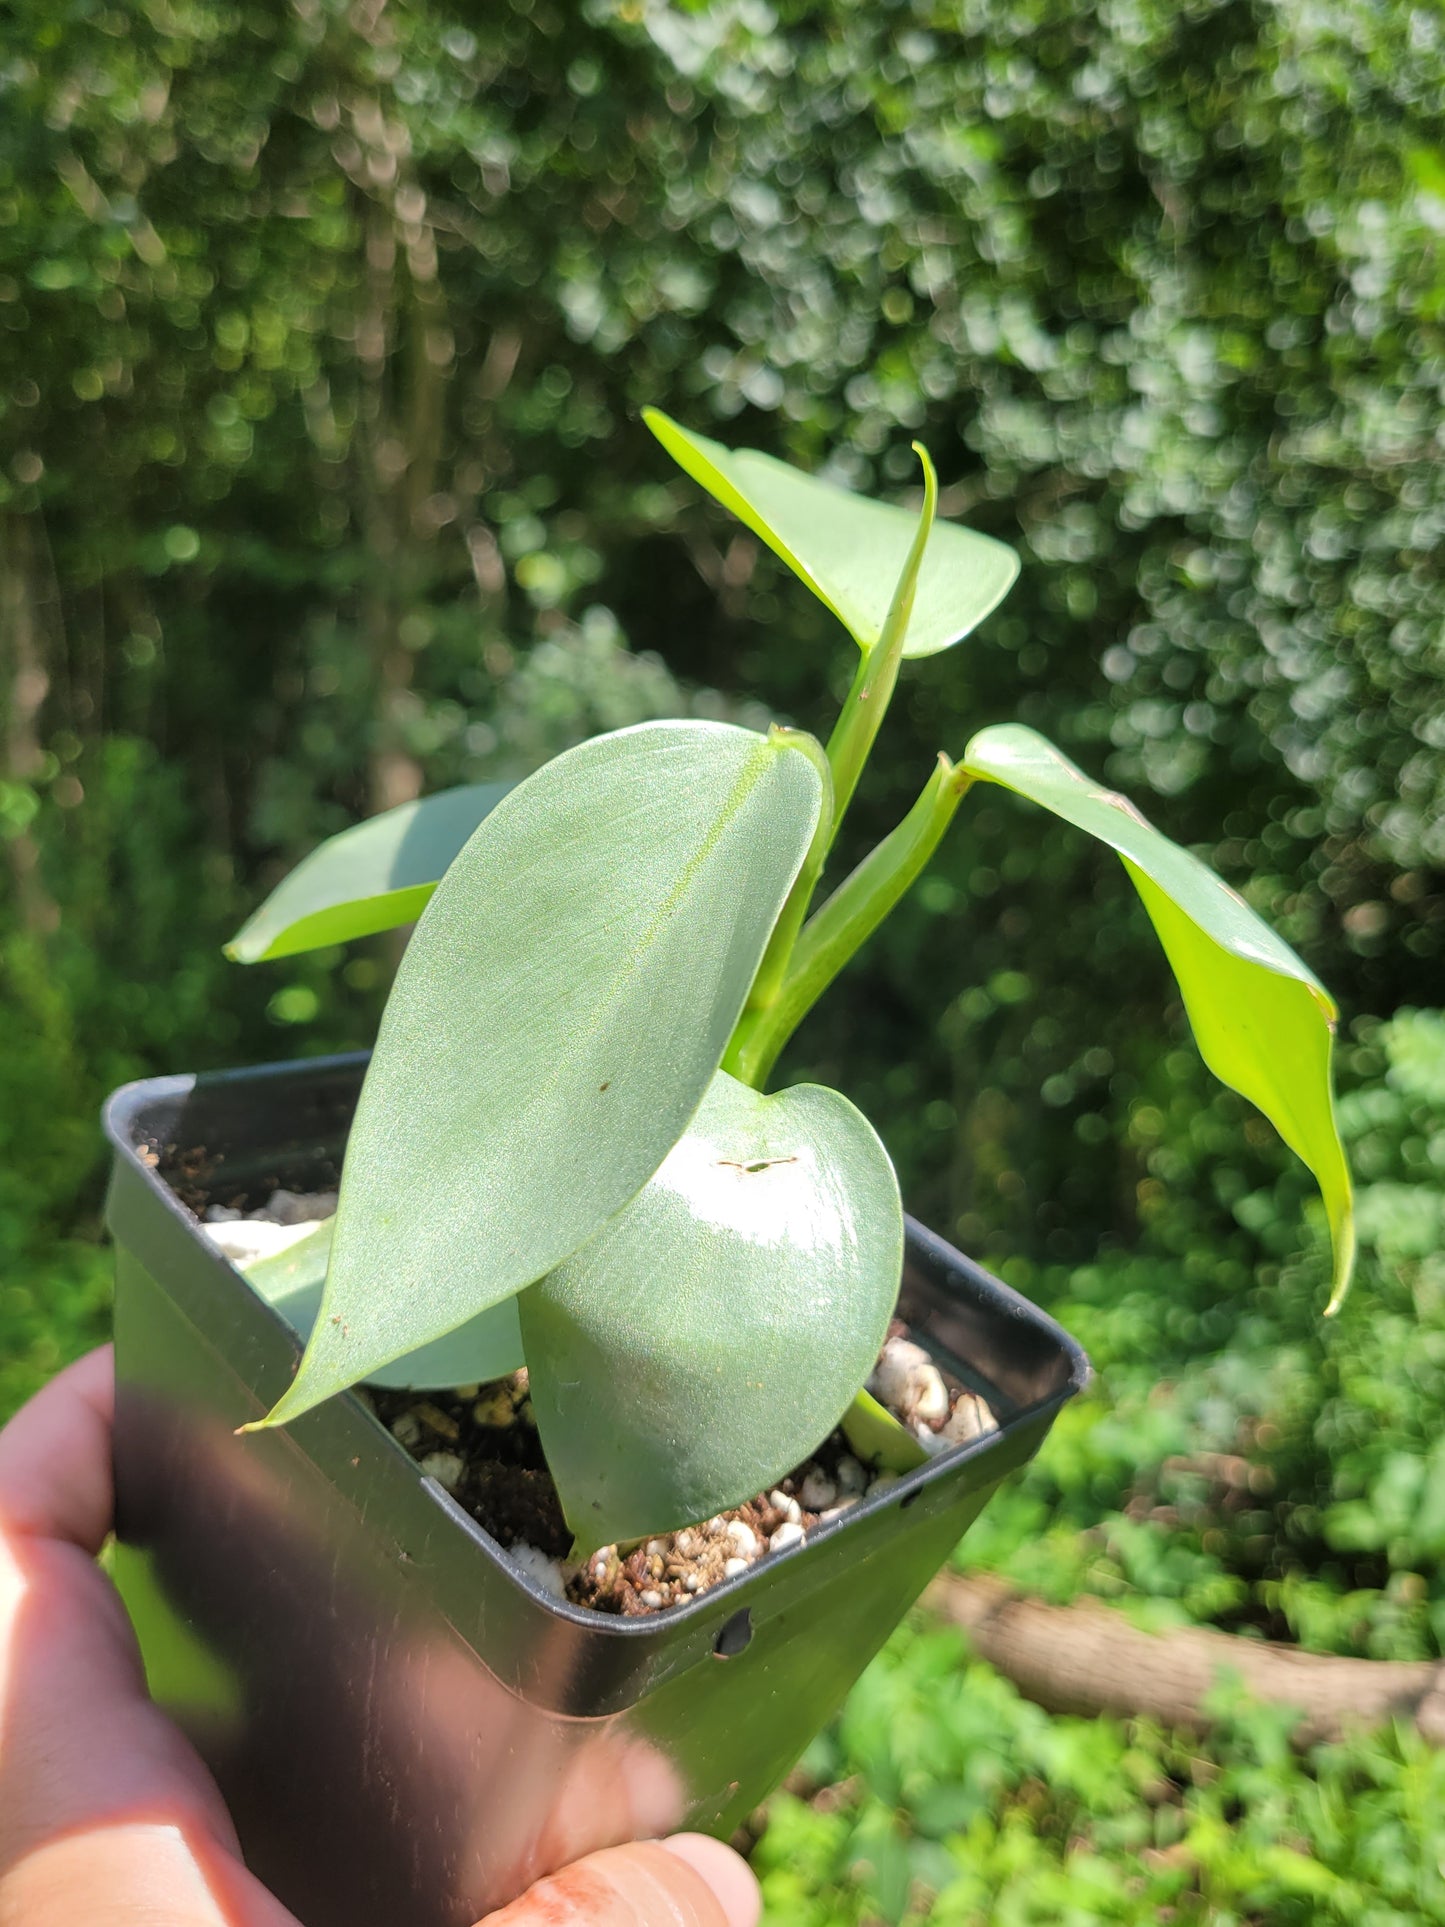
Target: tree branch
[(1086, 1658)]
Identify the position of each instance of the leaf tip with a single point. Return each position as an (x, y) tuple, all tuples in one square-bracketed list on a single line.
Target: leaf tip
[(930, 477), (246, 947), (1344, 1272), (878, 1438), (286, 1408)]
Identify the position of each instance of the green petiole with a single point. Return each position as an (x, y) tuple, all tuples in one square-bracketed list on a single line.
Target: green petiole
[(844, 924), (867, 701), (848, 750), (771, 971)]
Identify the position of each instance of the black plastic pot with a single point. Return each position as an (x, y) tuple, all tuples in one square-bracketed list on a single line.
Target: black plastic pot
[(405, 1726)]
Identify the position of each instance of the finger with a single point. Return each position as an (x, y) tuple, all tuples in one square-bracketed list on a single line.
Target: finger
[(729, 1876), (689, 1881), (106, 1812), (83, 1745), (137, 1875), (615, 1788), (55, 1473)]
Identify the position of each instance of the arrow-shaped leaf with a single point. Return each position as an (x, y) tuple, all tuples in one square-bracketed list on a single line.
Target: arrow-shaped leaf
[(1262, 1022), (849, 550), (715, 1331), (375, 876), (554, 1024), (488, 1346)]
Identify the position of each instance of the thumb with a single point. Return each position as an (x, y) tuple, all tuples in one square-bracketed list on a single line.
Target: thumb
[(688, 1881)]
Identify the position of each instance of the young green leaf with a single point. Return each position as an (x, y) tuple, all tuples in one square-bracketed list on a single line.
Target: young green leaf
[(866, 704), (554, 1024), (713, 1333), (879, 1439), (835, 932), (1262, 1022), (488, 1346), (375, 876), (849, 550), (290, 1281)]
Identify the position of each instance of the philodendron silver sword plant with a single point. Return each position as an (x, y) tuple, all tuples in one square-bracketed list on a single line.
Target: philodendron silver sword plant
[(563, 1153)]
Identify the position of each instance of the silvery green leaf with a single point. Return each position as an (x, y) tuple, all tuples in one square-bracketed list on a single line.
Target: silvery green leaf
[(850, 551), (375, 876), (714, 1332), (559, 1013), (1263, 1023), (488, 1346)]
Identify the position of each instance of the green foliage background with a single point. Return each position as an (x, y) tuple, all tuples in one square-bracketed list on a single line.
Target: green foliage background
[(324, 331)]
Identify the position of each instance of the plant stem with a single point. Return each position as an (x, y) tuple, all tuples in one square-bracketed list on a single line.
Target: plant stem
[(848, 748), (845, 922), (771, 971), (867, 701)]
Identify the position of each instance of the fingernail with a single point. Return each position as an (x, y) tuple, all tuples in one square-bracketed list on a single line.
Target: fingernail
[(730, 1878)]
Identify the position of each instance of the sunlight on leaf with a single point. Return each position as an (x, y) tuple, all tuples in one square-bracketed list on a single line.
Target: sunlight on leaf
[(555, 1022), (1262, 1022), (849, 550), (377, 875), (714, 1332)]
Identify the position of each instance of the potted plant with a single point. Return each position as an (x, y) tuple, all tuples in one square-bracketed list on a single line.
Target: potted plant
[(562, 1159)]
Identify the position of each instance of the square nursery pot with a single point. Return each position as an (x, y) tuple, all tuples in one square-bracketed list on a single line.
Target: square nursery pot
[(406, 1727)]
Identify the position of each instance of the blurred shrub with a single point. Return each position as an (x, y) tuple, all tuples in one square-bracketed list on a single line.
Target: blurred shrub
[(941, 1796), (1237, 1463), (323, 331), (322, 336)]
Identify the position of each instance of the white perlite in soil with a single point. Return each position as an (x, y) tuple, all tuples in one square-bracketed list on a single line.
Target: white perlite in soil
[(285, 1218), (462, 1438)]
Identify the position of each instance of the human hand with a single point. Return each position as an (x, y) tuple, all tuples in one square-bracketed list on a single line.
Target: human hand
[(108, 1813)]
